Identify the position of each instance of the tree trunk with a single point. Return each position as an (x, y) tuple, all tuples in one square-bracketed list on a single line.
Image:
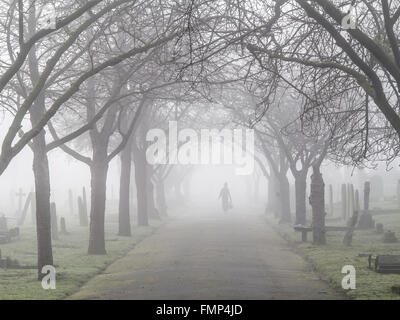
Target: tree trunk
[(139, 159), (42, 188), (151, 208), (300, 188), (331, 201), (284, 194), (160, 196), (273, 192), (317, 201), (125, 180), (178, 191), (98, 171)]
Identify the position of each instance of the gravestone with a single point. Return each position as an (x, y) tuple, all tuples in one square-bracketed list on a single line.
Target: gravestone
[(330, 200), (344, 202), (389, 237), (83, 220), (379, 228), (71, 202), (367, 190), (376, 188), (348, 237), (395, 289), (84, 202), (20, 196), (357, 201), (28, 203), (54, 224), (350, 200), (387, 263), (3, 224), (366, 221), (63, 227)]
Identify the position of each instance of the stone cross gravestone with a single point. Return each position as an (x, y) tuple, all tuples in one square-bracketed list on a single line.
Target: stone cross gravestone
[(20, 194), (3, 224)]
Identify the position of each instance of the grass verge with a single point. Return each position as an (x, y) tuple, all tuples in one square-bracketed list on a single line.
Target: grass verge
[(329, 259), (74, 266)]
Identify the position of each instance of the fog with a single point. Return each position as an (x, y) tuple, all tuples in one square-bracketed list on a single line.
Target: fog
[(199, 150)]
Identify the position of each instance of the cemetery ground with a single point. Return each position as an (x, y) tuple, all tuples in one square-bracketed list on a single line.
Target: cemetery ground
[(329, 259), (73, 265), (206, 254)]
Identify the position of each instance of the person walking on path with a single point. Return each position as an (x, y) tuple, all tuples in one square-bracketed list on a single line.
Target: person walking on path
[(226, 198)]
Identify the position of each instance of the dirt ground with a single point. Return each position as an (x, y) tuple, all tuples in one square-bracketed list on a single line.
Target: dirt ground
[(214, 256)]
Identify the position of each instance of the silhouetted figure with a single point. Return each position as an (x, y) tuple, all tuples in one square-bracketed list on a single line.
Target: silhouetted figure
[(226, 198)]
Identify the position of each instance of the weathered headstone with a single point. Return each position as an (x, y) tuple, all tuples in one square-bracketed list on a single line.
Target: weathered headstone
[(84, 202), (366, 221), (330, 200), (20, 196), (376, 188), (389, 237), (83, 221), (398, 193), (348, 237), (357, 201), (317, 201), (367, 190), (379, 228), (28, 203), (54, 223), (344, 202), (3, 224), (63, 227), (71, 202), (350, 200)]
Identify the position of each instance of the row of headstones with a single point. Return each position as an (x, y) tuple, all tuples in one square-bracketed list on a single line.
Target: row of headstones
[(82, 207), (30, 202), (350, 199), (350, 203)]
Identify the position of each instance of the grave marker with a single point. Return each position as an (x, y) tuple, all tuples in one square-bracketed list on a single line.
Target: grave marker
[(54, 223), (71, 202), (344, 202), (330, 200), (367, 189), (83, 220), (63, 227), (20, 194)]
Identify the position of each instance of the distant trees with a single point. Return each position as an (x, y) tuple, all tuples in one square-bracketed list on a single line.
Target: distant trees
[(362, 55), (43, 71)]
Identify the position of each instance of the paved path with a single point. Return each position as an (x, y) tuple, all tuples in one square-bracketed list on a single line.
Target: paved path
[(210, 257)]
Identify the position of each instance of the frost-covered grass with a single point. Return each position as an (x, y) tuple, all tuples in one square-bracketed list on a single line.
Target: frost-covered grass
[(73, 265), (328, 260)]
